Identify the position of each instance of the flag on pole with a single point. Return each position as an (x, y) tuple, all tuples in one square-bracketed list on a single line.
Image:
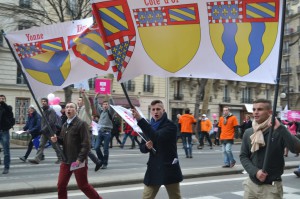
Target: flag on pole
[(55, 56), (233, 40)]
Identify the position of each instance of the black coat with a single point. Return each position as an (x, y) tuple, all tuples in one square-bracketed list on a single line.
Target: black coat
[(5, 114), (162, 167)]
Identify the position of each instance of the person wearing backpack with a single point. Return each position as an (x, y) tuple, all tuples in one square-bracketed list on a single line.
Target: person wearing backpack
[(51, 117), (104, 133), (6, 122), (33, 127)]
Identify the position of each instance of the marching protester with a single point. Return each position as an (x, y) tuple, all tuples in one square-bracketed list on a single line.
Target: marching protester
[(215, 129), (115, 132), (268, 183), (33, 127), (228, 130), (127, 133), (163, 166), (186, 123), (247, 123), (105, 113), (50, 116), (76, 146), (205, 127), (84, 112), (6, 117)]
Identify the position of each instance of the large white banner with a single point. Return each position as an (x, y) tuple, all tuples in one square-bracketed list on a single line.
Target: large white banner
[(234, 40), (55, 56)]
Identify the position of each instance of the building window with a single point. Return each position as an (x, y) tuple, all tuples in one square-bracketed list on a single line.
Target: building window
[(25, 3), (130, 85), (267, 94), (92, 83), (21, 107), (178, 90), (246, 95), (24, 24), (226, 97), (148, 86), (20, 77), (72, 8), (1, 39)]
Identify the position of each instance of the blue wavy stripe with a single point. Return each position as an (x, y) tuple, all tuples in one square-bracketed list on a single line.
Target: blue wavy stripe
[(95, 46), (112, 21), (259, 12), (257, 47), (51, 68), (230, 50), (181, 16), (49, 48)]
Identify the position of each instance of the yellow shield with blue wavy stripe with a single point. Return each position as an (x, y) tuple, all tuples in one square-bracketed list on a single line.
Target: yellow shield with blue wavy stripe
[(243, 33), (47, 61), (170, 35)]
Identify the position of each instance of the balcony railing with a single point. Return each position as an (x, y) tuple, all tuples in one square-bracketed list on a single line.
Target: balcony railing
[(286, 51), (286, 70), (130, 86), (246, 100), (226, 99), (178, 96), (148, 88)]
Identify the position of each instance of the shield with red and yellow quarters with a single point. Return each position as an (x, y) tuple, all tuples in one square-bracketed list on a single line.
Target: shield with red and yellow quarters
[(243, 32), (116, 27), (170, 34)]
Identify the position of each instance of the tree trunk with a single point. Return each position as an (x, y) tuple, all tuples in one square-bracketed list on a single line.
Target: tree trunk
[(206, 96), (200, 92)]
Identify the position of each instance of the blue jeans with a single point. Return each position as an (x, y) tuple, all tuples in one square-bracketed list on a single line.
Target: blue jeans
[(103, 136), (126, 135), (227, 153), (187, 143), (4, 140)]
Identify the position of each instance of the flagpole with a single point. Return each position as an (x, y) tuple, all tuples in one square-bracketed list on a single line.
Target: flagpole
[(144, 137), (34, 98), (269, 142)]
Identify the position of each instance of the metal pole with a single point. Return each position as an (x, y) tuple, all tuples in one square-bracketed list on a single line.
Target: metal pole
[(269, 141), (35, 100)]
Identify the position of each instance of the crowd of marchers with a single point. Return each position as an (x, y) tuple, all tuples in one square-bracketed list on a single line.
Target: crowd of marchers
[(71, 135)]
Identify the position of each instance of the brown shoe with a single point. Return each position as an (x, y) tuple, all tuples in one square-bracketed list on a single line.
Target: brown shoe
[(232, 164)]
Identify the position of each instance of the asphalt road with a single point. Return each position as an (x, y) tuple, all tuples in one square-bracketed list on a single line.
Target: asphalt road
[(123, 164)]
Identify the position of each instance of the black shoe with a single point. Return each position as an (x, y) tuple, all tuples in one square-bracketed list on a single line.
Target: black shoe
[(98, 165), (33, 161), (43, 157), (297, 173), (5, 171), (232, 164), (57, 161), (104, 167), (23, 158), (225, 166)]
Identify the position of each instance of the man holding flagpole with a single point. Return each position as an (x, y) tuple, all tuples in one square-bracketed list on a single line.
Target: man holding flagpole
[(268, 183), (163, 166)]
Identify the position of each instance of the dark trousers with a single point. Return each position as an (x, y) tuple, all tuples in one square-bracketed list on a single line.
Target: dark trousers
[(203, 134), (81, 179), (103, 136), (30, 145), (116, 135), (135, 140)]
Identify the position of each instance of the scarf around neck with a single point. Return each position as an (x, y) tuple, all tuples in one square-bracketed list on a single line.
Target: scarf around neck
[(257, 138), (226, 117)]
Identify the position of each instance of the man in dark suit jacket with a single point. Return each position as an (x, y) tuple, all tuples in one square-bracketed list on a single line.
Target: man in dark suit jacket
[(163, 166)]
